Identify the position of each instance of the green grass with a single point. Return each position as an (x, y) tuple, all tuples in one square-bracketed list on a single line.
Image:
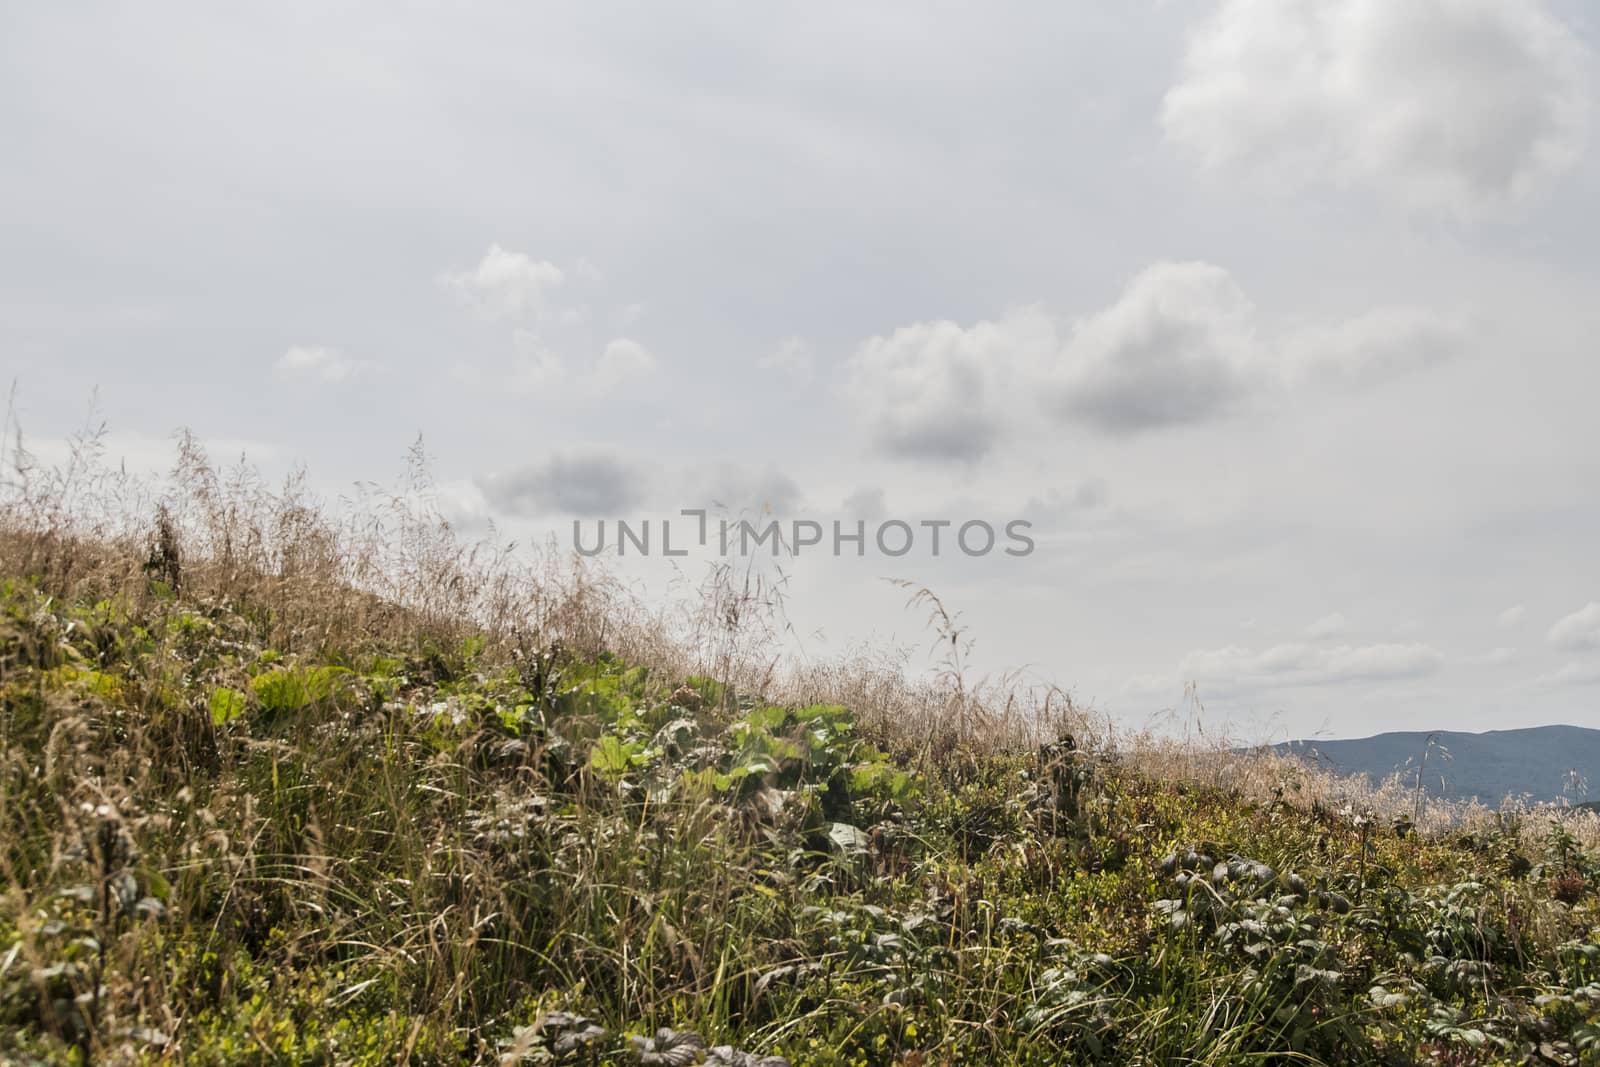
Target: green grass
[(217, 852)]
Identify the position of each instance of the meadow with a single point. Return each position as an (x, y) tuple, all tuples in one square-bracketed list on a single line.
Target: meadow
[(285, 784)]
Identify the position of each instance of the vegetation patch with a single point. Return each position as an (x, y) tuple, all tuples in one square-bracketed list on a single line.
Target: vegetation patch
[(252, 813)]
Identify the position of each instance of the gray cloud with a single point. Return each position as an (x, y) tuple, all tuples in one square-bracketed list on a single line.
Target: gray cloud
[(1178, 347), (949, 435), (605, 483), (580, 484), (1452, 105), (865, 504), (1183, 344), (738, 489), (1057, 503), (936, 390)]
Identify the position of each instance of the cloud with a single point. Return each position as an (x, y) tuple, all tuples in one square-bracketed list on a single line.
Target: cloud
[(1457, 106), (538, 368), (1058, 503), (1572, 673), (742, 489), (1300, 664), (506, 285), (1328, 626), (1179, 346), (1375, 347), (514, 287), (623, 360), (1579, 630), (603, 483), (1185, 344), (461, 503), (869, 504), (792, 360), (934, 390), (1148, 687), (573, 483), (1511, 616), (1182, 344), (320, 363)]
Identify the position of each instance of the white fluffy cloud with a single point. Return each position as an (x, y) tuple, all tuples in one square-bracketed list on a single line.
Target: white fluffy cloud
[(1580, 630), (1299, 664), (935, 390), (539, 368), (1449, 105), (514, 288), (506, 284), (1182, 344), (1179, 346), (623, 360), (320, 363)]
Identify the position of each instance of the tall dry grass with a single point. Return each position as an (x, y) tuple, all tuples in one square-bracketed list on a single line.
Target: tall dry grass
[(385, 569)]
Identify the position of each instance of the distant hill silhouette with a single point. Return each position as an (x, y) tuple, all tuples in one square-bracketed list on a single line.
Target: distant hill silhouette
[(1534, 762)]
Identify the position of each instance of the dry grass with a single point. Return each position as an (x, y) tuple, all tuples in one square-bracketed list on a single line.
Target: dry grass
[(423, 858), (387, 570)]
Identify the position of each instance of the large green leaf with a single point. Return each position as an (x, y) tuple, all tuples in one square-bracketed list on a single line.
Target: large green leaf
[(227, 705), (293, 688)]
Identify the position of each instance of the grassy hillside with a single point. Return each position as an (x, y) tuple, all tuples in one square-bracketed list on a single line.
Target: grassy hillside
[(249, 815)]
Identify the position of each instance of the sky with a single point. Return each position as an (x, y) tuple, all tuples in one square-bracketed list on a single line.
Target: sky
[(1274, 319)]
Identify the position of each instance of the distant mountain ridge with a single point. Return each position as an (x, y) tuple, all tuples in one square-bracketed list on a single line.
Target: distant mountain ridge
[(1536, 762)]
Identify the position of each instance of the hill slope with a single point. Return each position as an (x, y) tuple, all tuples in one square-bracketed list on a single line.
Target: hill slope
[(1536, 763), (247, 829)]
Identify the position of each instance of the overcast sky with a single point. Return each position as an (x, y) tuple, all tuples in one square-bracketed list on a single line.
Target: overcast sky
[(1276, 318)]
